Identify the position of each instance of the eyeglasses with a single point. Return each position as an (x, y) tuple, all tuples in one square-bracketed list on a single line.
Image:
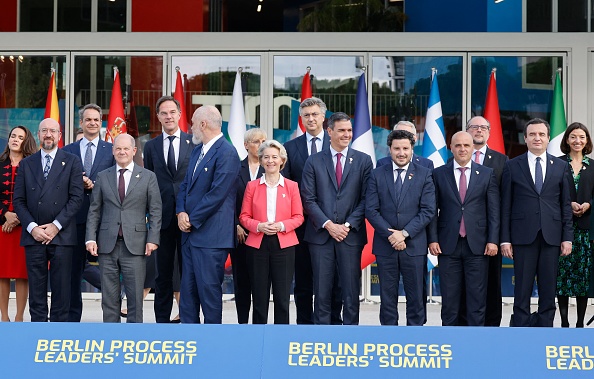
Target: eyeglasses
[(308, 115), (257, 142), (52, 131), (484, 128)]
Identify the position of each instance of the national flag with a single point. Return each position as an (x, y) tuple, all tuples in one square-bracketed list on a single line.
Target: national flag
[(306, 93), (236, 127), (181, 98), (557, 121), (492, 115), (51, 103), (363, 141), (116, 121)]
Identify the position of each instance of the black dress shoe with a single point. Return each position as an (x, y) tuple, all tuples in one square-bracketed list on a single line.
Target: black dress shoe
[(175, 321), (124, 315)]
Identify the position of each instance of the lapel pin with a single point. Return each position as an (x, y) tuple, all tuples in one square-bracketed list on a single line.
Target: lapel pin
[(551, 161), (188, 141), (410, 176), (63, 163), (138, 175), (205, 168), (477, 172), (350, 160), (284, 195), (489, 157)]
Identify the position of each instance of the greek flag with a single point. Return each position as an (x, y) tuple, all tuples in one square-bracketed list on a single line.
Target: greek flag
[(434, 144)]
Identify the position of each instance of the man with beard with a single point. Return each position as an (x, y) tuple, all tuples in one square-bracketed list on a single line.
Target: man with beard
[(47, 195)]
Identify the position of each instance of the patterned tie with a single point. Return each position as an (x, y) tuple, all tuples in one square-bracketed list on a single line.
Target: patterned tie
[(46, 169), (122, 193), (477, 157), (462, 190), (314, 146), (538, 179), (198, 162), (398, 183), (338, 169), (88, 163), (171, 157)]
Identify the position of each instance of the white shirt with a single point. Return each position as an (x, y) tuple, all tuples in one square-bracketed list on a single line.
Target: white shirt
[(127, 175), (52, 154), (402, 174), (342, 159), (83, 149), (458, 173), (205, 148), (166, 144), (319, 142), (482, 151), (532, 164), (271, 194)]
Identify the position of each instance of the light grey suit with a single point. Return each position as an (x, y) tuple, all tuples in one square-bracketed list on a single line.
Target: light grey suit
[(106, 214)]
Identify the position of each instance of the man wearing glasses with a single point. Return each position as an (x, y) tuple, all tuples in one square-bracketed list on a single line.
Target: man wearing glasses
[(47, 195)]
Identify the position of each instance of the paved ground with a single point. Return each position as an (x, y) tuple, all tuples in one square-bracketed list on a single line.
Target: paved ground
[(369, 312)]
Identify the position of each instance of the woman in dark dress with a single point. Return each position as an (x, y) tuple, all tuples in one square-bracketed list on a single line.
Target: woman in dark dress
[(574, 269), (21, 144)]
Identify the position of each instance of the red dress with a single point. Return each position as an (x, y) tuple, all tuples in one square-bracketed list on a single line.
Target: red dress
[(12, 254)]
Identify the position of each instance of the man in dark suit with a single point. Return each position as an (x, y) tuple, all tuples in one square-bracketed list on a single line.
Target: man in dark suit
[(48, 192), (95, 156), (333, 187), (479, 128), (409, 127), (118, 231), (315, 139), (536, 219), (400, 203), (465, 232), (167, 155), (206, 216)]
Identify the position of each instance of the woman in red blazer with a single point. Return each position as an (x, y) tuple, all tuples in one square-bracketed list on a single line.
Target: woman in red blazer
[(271, 211)]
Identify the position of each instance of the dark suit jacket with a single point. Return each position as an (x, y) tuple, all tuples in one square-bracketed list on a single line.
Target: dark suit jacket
[(421, 161), (242, 180), (323, 200), (297, 155), (208, 196), (524, 212), (413, 211), (154, 160), (107, 212), (480, 209), (584, 193), (43, 201), (496, 161), (103, 160)]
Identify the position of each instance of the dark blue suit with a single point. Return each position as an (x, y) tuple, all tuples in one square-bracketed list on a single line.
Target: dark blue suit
[(154, 160), (207, 195), (324, 200), (43, 201), (297, 154), (462, 260), (103, 160), (535, 224), (421, 161), (412, 212)]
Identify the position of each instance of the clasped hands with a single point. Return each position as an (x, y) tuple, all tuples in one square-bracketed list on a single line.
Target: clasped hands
[(11, 221), (396, 239), (337, 231), (579, 209), (269, 228), (45, 233)]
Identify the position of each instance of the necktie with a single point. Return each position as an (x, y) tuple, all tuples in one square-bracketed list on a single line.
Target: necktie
[(338, 169), (477, 157), (47, 167), (538, 179), (398, 183), (171, 157), (314, 146), (88, 163), (122, 193), (462, 190), (198, 162)]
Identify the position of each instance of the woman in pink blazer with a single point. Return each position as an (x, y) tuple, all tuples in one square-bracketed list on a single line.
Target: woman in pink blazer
[(271, 211)]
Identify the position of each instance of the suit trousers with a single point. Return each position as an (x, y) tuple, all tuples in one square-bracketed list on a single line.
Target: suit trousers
[(60, 263), (203, 269), (542, 260), (166, 253), (79, 259), (463, 272), (413, 270), (271, 265), (324, 260), (242, 286), (133, 270)]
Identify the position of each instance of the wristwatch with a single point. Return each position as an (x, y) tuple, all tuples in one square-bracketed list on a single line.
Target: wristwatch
[(348, 225), (405, 233)]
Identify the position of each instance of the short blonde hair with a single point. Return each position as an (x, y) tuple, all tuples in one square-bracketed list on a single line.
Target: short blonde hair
[(282, 152), (252, 133)]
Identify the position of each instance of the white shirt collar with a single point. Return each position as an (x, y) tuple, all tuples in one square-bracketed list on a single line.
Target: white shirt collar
[(130, 167), (51, 153), (334, 152), (467, 165), (207, 146), (532, 157), (309, 137), (395, 166), (483, 150), (85, 141), (281, 181), (177, 134)]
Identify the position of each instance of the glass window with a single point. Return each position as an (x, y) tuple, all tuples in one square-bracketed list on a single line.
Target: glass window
[(524, 91), (111, 16), (400, 91), (333, 79), (74, 15), (573, 16), (36, 15), (539, 16), (24, 82)]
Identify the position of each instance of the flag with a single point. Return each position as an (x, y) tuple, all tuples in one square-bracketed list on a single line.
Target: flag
[(131, 120), (51, 104), (492, 115), (305, 94), (236, 127), (179, 96), (434, 144), (363, 141), (116, 121), (558, 121)]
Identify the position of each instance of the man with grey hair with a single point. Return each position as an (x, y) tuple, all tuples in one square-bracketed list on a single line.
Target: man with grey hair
[(95, 156), (409, 127), (206, 215)]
